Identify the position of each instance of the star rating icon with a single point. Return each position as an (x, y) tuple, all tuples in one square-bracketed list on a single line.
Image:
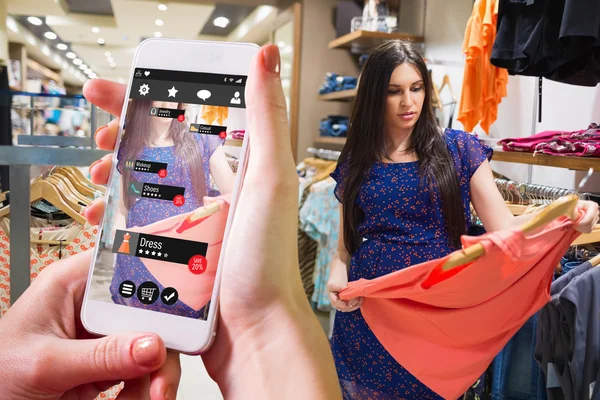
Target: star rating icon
[(147, 252), (172, 92), (153, 253), (141, 251), (159, 254), (166, 255)]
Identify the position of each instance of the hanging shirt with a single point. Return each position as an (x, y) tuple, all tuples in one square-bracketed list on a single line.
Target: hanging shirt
[(446, 327), (483, 85)]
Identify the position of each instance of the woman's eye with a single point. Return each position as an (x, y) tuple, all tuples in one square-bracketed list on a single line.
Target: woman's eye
[(417, 89), (392, 91)]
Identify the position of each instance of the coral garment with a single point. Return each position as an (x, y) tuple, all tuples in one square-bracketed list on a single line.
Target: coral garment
[(446, 335), (484, 85)]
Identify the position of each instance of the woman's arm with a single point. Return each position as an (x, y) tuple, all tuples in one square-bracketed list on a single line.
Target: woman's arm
[(221, 171), (495, 214)]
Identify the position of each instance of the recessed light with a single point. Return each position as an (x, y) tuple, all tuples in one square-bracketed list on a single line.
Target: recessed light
[(162, 7), (100, 41), (34, 21), (93, 76), (62, 46), (159, 22), (157, 34), (113, 65), (50, 35), (107, 53), (110, 59), (95, 29), (221, 22), (77, 61), (83, 66), (71, 55)]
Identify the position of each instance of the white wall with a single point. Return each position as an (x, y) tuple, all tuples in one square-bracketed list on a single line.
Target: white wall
[(564, 107)]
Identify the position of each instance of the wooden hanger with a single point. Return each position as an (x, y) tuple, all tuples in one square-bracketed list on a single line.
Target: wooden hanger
[(595, 260), (565, 206), (446, 82), (43, 190), (81, 188), (74, 192), (437, 101), (64, 192), (83, 179)]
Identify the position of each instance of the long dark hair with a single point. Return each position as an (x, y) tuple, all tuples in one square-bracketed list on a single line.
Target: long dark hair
[(365, 143), (138, 134)]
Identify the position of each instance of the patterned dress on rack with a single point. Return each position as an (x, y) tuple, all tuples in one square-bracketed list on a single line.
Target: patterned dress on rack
[(402, 226)]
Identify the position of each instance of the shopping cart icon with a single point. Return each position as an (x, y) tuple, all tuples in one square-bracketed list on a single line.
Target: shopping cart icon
[(148, 292)]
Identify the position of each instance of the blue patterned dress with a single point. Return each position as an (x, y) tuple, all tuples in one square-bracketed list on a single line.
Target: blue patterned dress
[(403, 226), (147, 211)]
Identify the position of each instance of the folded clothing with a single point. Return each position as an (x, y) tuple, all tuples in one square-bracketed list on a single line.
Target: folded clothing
[(459, 320), (334, 125), (239, 134), (335, 83), (583, 143)]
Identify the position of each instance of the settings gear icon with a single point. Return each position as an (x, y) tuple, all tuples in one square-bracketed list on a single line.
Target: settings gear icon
[(144, 89)]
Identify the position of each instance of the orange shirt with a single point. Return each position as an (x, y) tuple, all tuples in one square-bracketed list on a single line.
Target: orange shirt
[(446, 327), (483, 85)]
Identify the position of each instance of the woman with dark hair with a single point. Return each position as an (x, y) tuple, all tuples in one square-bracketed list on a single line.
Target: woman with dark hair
[(192, 159), (405, 186)]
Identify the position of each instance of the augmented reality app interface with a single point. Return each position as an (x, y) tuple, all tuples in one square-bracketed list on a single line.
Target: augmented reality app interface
[(170, 193)]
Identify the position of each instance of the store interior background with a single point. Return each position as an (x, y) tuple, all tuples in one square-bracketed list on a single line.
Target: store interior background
[(303, 31)]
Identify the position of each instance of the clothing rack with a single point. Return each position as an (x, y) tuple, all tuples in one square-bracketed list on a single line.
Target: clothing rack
[(20, 159), (527, 193), (325, 154)]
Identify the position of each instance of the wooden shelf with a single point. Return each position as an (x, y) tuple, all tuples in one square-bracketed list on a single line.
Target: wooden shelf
[(343, 95), (574, 163), (369, 39), (333, 143), (234, 142)]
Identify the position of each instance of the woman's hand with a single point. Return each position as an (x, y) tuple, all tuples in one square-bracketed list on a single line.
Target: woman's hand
[(338, 280), (263, 309), (42, 360), (590, 217)]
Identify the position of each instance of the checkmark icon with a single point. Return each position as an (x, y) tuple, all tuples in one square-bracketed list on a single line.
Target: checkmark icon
[(169, 297)]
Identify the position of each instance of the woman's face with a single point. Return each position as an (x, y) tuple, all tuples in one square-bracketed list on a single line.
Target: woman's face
[(406, 95)]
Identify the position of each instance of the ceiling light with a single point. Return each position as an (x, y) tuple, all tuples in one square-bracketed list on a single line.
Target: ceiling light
[(61, 46), (77, 61), (95, 29), (50, 35), (162, 7), (157, 34), (221, 22), (12, 25), (107, 53), (113, 65), (93, 76), (34, 21), (110, 59), (71, 55), (159, 22), (100, 41), (83, 66)]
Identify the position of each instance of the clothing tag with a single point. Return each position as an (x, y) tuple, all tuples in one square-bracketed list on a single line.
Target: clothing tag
[(552, 377)]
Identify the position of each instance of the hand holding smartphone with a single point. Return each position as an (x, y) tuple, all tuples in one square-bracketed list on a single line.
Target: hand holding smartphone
[(156, 266)]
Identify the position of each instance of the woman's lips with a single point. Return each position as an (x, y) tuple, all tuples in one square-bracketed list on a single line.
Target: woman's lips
[(407, 116)]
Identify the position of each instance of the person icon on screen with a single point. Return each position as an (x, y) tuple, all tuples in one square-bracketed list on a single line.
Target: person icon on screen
[(236, 98)]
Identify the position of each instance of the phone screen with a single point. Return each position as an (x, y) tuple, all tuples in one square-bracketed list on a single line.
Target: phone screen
[(169, 194)]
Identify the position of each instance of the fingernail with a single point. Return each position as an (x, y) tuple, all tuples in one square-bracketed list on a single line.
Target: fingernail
[(94, 163), (272, 59), (98, 130), (146, 352), (170, 392)]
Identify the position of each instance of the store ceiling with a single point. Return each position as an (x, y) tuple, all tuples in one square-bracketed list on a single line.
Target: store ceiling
[(122, 24)]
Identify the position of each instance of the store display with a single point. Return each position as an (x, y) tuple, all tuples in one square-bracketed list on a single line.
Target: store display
[(334, 126), (335, 83), (484, 85), (583, 143)]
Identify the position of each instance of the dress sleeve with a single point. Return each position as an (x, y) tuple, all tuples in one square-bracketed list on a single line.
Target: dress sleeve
[(472, 152), (339, 175)]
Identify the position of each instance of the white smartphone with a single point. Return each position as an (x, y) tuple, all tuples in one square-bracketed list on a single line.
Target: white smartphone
[(171, 193)]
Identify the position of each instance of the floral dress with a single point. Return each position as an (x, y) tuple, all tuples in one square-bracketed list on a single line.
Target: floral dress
[(403, 225)]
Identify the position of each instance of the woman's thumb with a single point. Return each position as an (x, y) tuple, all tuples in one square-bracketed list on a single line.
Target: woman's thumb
[(115, 357)]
